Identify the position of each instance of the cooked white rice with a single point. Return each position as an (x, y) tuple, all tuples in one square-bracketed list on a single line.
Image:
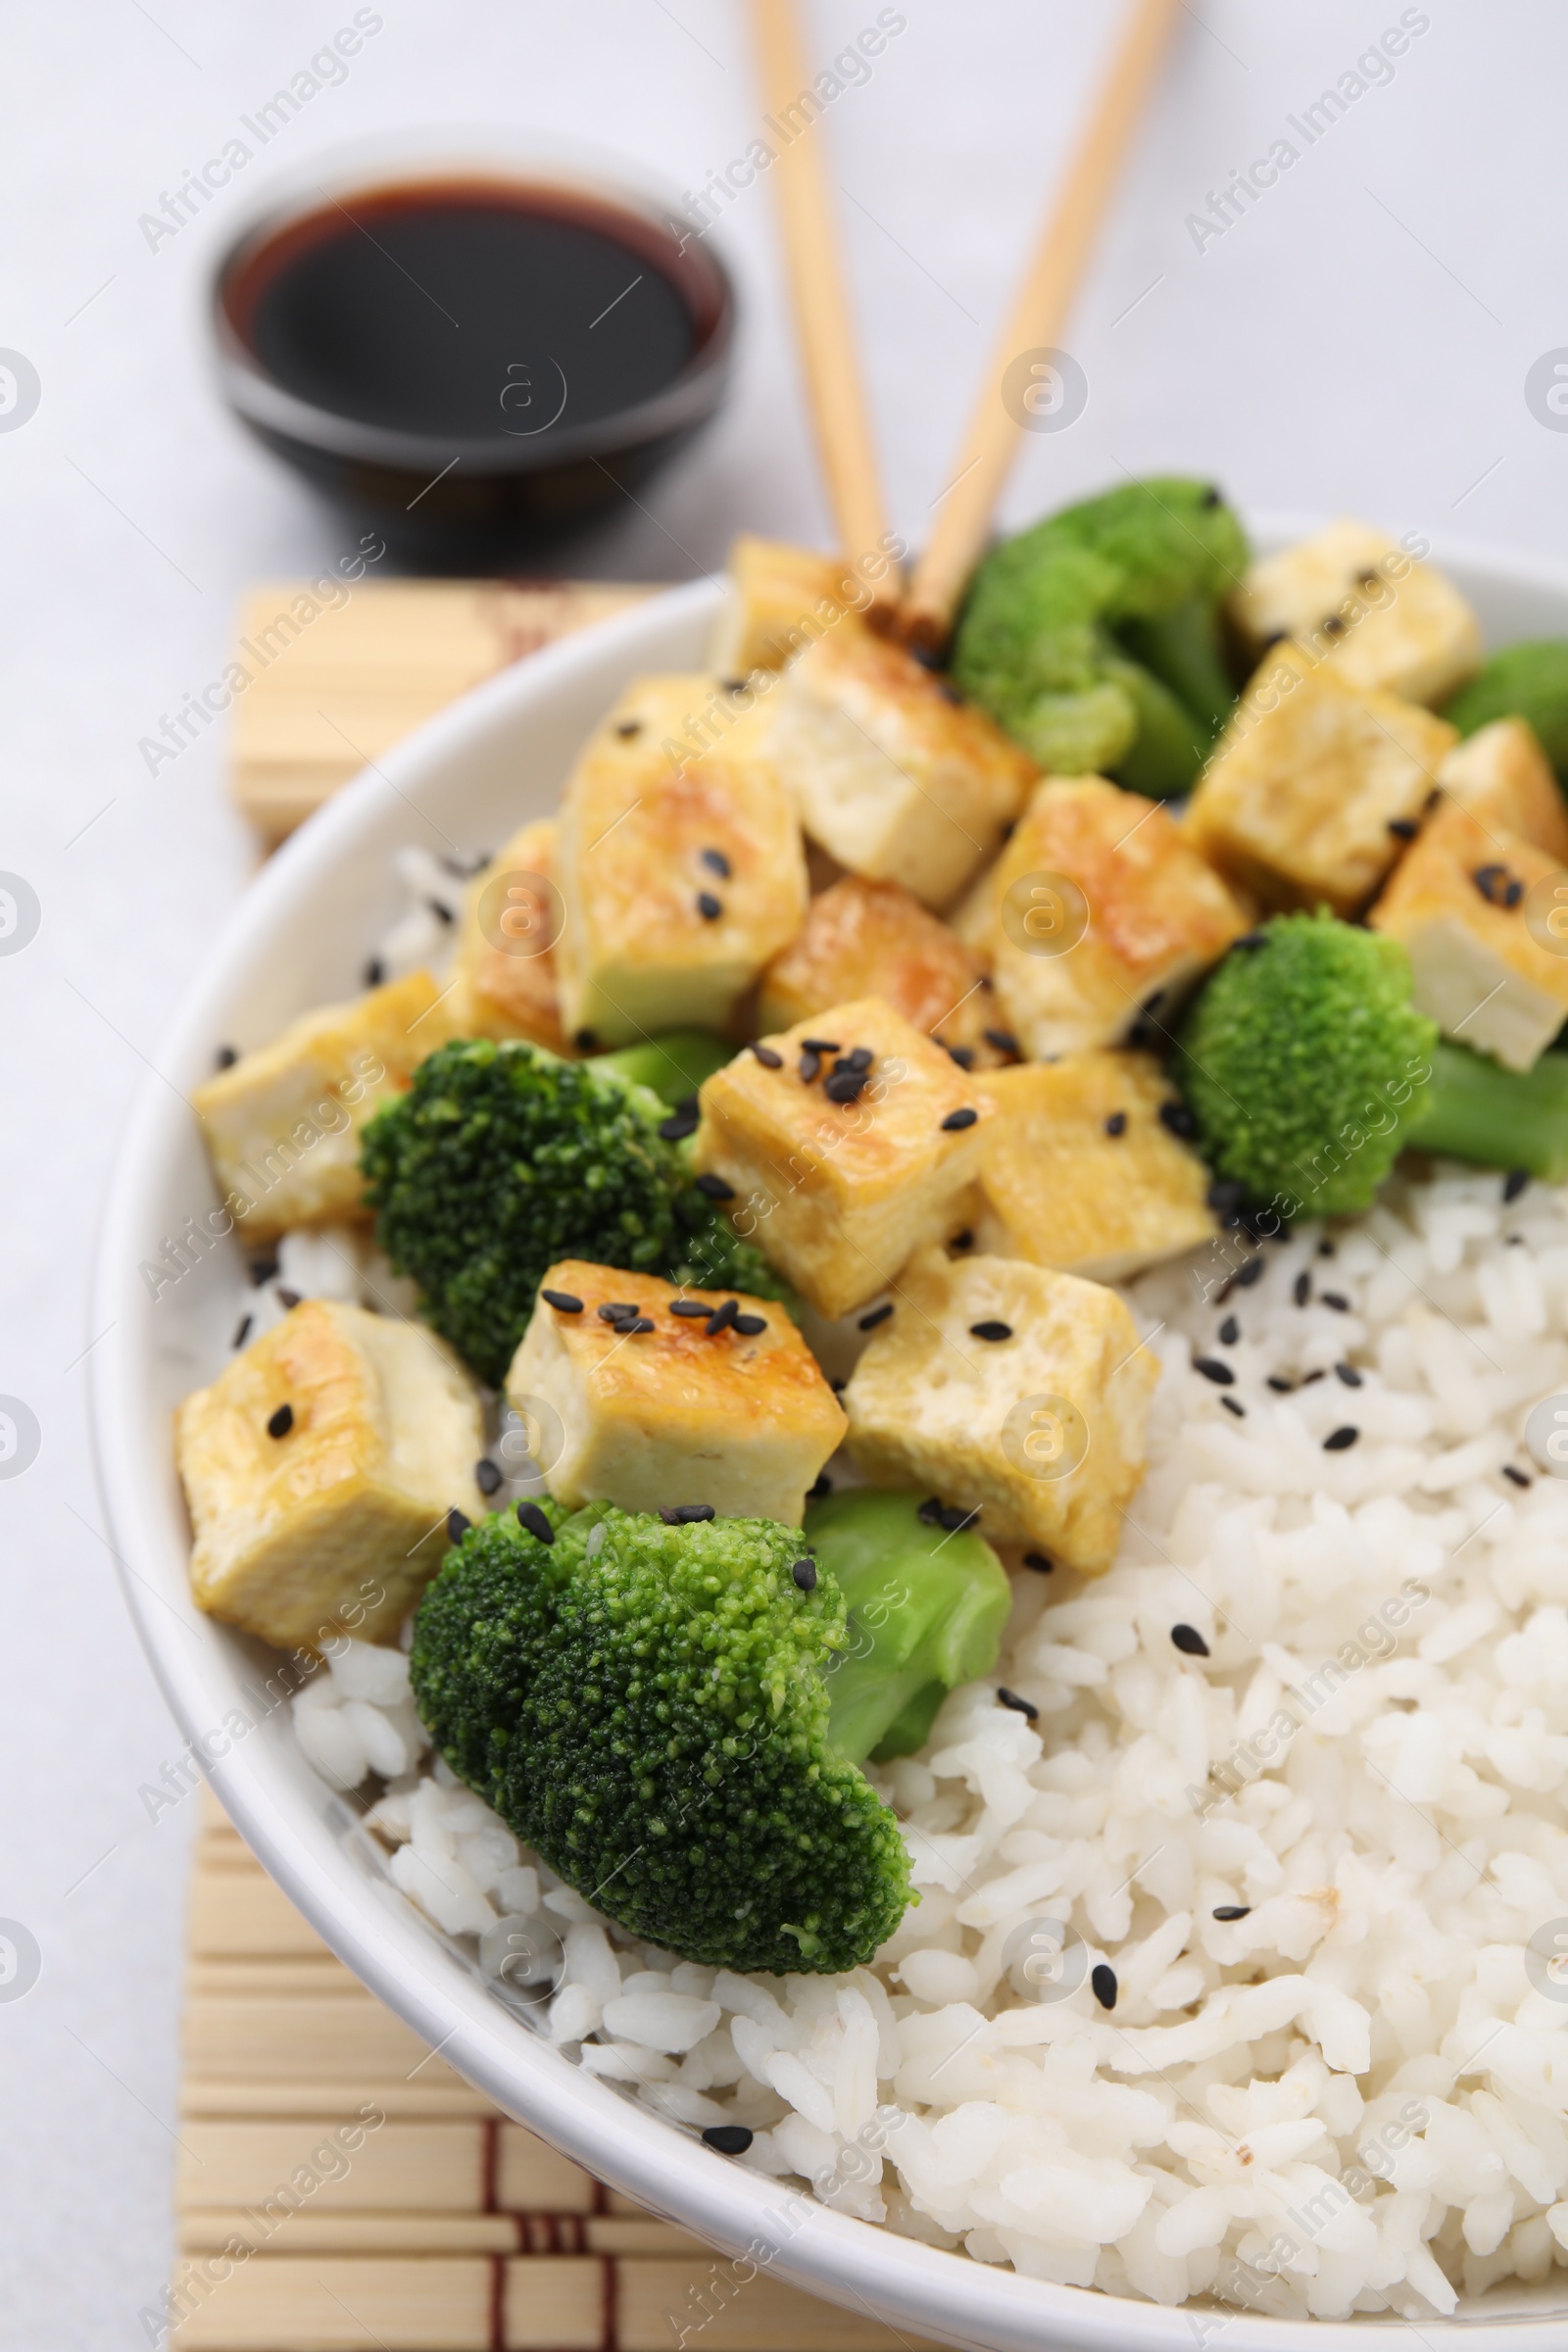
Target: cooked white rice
[(1353, 2096)]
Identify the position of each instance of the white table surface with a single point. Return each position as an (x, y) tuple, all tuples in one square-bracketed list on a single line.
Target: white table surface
[(1358, 341)]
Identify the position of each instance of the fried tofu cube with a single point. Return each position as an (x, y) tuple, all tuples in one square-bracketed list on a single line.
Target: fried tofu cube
[(1485, 972), (1502, 775), (862, 938), (780, 598), (838, 1173), (1350, 596), (1012, 1391), (895, 774), (319, 1468), (679, 877), (1081, 1172), (1101, 913), (1314, 785), (741, 1418), (282, 1124), (506, 962)]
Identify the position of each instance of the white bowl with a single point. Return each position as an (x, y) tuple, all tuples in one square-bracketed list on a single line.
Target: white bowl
[(299, 938)]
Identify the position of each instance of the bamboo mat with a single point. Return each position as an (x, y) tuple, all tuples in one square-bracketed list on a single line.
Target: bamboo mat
[(351, 2191), (338, 2187), (330, 685)]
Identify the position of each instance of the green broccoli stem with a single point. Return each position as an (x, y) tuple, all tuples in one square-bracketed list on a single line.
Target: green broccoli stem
[(925, 1612), (671, 1065), (1182, 647), (1472, 1108)]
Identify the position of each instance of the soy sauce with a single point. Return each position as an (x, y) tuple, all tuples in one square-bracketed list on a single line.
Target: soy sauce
[(469, 310)]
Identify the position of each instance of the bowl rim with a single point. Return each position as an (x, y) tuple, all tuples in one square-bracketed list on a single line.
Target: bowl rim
[(858, 2265), (270, 407)]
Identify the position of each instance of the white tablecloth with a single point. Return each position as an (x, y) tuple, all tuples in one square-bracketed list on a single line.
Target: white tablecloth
[(1354, 337)]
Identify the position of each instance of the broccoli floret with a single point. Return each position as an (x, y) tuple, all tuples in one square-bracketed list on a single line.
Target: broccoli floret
[(501, 1159), (1094, 638), (645, 1706), (926, 1609), (1527, 681), (1307, 1070)]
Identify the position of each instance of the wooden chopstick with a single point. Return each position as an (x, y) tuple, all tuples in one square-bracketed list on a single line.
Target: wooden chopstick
[(1037, 320), (834, 384)]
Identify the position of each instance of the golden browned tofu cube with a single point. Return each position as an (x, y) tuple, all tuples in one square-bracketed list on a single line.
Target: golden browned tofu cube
[(679, 877), (649, 1418), (282, 1124), (781, 599), (1101, 912), (319, 1468), (1313, 789), (1351, 596), (1081, 1172), (506, 962), (892, 773), (1504, 779), (1478, 966), (864, 939), (840, 1169), (1012, 1391)]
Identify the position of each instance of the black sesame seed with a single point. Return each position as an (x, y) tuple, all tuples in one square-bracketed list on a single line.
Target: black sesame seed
[(767, 1057), (1116, 1124), (441, 910), (722, 1317), (1307, 1377), (286, 1297), (1231, 1406), (1003, 1039), (930, 1511), (1189, 1640), (1338, 1440), (1333, 626), (226, 1056), (747, 1326), (374, 972), (244, 1331), (586, 1041), (1214, 1369), (1229, 1911), (964, 1056), (1302, 1288), (262, 1270), (1019, 1706), (1250, 941), (1337, 1299), (533, 1521), (678, 1126), (1366, 579), (638, 1323), (953, 1518), (1432, 799), (1403, 828), (730, 2139), (1179, 1120), (707, 906), (1210, 497), (458, 1526), (690, 1306), (1348, 1374), (821, 1485), (844, 1086), (1038, 1562), (962, 1240), (1513, 1184), (630, 727), (281, 1422), (819, 1044), (1520, 1478), (1248, 1273), (563, 1302), (1497, 886), (715, 1188), (1281, 1388), (733, 685), (716, 863), (991, 1329), (810, 1063), (487, 1475), (1230, 1330), (838, 1386), (1103, 1979), (804, 1574), (878, 1314), (686, 1514), (619, 1311), (956, 1119), (1325, 1248)]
